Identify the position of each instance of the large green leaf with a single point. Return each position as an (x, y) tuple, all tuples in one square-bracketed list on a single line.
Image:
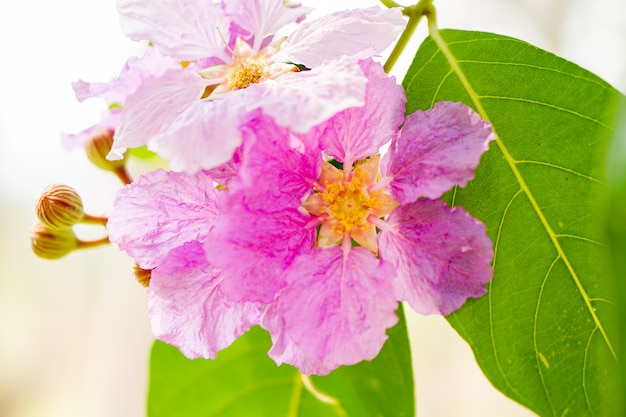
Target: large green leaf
[(544, 334), (243, 381)]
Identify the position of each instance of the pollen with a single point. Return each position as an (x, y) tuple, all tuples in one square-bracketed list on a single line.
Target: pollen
[(349, 203), (344, 204), (247, 74)]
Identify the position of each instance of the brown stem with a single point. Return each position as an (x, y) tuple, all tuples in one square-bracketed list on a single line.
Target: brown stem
[(122, 174), (86, 244), (89, 219)]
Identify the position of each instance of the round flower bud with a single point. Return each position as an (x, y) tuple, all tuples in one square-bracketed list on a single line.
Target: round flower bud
[(52, 243), (59, 206), (98, 147), (142, 275)]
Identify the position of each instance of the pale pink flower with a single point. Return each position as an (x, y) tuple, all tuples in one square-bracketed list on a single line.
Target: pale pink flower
[(234, 63), (115, 92)]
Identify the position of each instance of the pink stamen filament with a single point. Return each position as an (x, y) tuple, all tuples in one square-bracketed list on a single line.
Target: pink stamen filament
[(381, 184), (381, 224)]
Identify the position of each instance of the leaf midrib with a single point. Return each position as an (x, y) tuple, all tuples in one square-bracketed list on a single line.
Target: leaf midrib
[(454, 64)]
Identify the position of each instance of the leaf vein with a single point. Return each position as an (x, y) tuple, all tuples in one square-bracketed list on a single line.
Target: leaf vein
[(586, 239), (535, 319), (517, 64), (490, 292), (443, 81), (571, 171), (584, 382), (540, 103)]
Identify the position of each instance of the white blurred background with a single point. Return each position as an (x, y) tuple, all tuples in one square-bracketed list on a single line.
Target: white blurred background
[(74, 337)]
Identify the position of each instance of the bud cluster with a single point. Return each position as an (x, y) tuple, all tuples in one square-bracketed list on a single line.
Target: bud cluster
[(59, 209)]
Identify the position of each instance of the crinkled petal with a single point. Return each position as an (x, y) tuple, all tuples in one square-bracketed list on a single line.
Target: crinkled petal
[(254, 249), (153, 107), (188, 309), (161, 211), (435, 151), (304, 99), (225, 173), (263, 18), (152, 63), (274, 174), (442, 255), (187, 30), (358, 132), (347, 32), (204, 136), (335, 310), (110, 119)]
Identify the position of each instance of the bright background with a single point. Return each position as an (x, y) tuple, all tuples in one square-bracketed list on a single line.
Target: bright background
[(74, 337)]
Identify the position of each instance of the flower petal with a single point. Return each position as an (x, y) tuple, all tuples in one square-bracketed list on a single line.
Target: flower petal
[(263, 18), (358, 132), (187, 30), (110, 119), (254, 249), (335, 310), (225, 173), (203, 136), (151, 64), (274, 175), (304, 99), (442, 255), (435, 151), (161, 211), (347, 32), (188, 309), (152, 108)]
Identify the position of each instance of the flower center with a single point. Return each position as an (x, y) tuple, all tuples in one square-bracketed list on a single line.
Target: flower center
[(344, 205), (349, 203), (246, 74)]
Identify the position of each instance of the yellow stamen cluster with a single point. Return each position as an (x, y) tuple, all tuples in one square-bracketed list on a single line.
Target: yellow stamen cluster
[(345, 206), (349, 203), (247, 74)]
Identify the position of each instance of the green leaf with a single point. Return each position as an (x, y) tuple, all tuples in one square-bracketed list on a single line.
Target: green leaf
[(544, 334), (616, 169), (142, 152), (244, 381)]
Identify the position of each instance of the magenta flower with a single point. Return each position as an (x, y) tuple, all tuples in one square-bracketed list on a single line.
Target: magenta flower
[(317, 255), (234, 63)]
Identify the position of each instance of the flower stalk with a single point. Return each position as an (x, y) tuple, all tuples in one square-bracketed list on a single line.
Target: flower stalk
[(54, 243), (415, 13)]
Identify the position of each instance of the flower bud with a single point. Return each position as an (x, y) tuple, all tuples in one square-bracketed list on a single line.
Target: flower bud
[(59, 206), (98, 147), (142, 275), (52, 243)]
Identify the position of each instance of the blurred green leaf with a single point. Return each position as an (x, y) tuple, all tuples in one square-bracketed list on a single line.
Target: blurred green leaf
[(545, 333), (244, 381), (142, 152), (616, 169)]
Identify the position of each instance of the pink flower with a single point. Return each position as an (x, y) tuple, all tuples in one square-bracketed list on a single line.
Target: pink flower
[(335, 301), (317, 255), (234, 63)]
